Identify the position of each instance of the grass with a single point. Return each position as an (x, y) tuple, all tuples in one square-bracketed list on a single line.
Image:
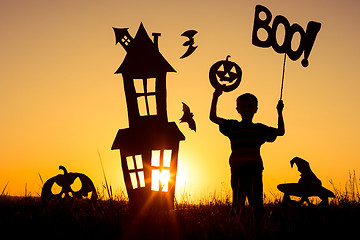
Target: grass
[(110, 218)]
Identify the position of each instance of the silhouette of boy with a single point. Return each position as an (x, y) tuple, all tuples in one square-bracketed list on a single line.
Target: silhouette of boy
[(246, 139)]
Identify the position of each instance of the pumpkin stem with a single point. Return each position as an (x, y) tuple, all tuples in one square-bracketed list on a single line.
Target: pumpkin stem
[(64, 169), (227, 58)]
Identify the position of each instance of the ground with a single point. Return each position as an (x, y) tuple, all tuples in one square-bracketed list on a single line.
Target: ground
[(111, 219)]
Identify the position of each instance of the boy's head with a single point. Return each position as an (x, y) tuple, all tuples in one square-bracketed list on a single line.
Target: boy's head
[(247, 105)]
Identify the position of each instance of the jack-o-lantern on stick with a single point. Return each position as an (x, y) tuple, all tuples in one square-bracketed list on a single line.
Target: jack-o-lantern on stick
[(225, 75), (65, 182)]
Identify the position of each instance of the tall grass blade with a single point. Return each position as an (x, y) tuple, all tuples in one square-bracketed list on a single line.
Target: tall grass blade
[(2, 193), (108, 189), (42, 182)]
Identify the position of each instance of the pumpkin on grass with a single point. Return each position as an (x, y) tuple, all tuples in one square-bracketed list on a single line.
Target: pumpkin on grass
[(65, 182)]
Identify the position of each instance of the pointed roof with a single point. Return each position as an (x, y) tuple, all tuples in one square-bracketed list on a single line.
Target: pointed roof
[(143, 57)]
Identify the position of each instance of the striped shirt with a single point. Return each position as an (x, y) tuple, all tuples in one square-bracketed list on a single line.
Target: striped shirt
[(246, 140)]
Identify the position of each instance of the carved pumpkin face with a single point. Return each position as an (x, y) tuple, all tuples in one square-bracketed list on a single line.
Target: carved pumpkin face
[(65, 182), (225, 75)]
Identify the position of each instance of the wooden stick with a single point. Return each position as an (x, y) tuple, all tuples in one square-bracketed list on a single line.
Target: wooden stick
[(283, 76)]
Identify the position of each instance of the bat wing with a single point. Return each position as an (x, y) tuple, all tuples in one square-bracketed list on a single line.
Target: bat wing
[(188, 117), (187, 114), (186, 108), (189, 51), (189, 42), (189, 33), (192, 124)]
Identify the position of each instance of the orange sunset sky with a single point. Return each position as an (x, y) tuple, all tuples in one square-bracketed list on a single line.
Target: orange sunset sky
[(61, 102)]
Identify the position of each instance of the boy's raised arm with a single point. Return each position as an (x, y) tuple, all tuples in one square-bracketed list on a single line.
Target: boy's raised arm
[(281, 125), (213, 115)]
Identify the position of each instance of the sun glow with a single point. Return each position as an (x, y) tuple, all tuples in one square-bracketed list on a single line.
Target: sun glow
[(164, 180), (181, 178), (160, 180)]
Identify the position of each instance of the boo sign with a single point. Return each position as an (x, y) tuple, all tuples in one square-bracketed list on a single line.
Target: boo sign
[(262, 21)]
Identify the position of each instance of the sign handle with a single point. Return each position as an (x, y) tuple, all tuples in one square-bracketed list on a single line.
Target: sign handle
[(283, 75)]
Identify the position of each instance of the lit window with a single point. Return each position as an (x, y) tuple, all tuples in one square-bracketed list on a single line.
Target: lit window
[(130, 163), (167, 158), (142, 179), (139, 85), (125, 40), (151, 85), (164, 180), (143, 111), (155, 180), (146, 96), (155, 158), (160, 162), (138, 160), (160, 180), (136, 171), (152, 105), (133, 180)]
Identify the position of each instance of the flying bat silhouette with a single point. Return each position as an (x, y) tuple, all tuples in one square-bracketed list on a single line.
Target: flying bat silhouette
[(190, 34), (188, 117)]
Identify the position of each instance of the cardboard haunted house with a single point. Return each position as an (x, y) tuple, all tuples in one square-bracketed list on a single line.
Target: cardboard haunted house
[(149, 147)]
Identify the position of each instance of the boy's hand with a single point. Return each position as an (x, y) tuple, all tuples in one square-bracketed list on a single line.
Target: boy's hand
[(280, 106), (218, 92), (213, 116)]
